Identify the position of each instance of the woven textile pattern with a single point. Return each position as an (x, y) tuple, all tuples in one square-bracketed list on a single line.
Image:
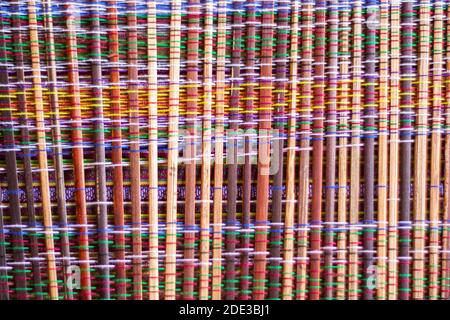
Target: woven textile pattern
[(225, 149)]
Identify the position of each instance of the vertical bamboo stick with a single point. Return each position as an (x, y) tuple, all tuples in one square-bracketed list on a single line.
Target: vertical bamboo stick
[(172, 158), (192, 64), (25, 141), (152, 52), (445, 257), (289, 233), (394, 125), (382, 222), (42, 152), (206, 159), (4, 283), (134, 155), (420, 163), (407, 76), (15, 220), (77, 153), (264, 137), (355, 155), (116, 137), (218, 155), (307, 227), (249, 110), (369, 111), (344, 113), (280, 93), (331, 127), (57, 146), (436, 149)]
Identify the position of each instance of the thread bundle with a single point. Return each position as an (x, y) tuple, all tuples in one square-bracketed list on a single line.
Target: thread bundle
[(226, 149)]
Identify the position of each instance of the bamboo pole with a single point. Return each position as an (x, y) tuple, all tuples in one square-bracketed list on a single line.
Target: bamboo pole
[(42, 152), (78, 157), (355, 155), (102, 213), (152, 52), (307, 227), (332, 127), (280, 93), (289, 233), (248, 127), (394, 124), (218, 155), (134, 153), (436, 149), (382, 222), (116, 155), (25, 141), (264, 138), (420, 163), (232, 138), (172, 158), (57, 147), (343, 113), (407, 76), (205, 208)]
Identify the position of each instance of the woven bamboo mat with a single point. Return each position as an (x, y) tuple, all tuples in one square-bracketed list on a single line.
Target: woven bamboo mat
[(225, 149)]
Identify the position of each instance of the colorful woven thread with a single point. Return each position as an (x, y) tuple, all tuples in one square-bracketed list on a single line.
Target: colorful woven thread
[(225, 149)]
